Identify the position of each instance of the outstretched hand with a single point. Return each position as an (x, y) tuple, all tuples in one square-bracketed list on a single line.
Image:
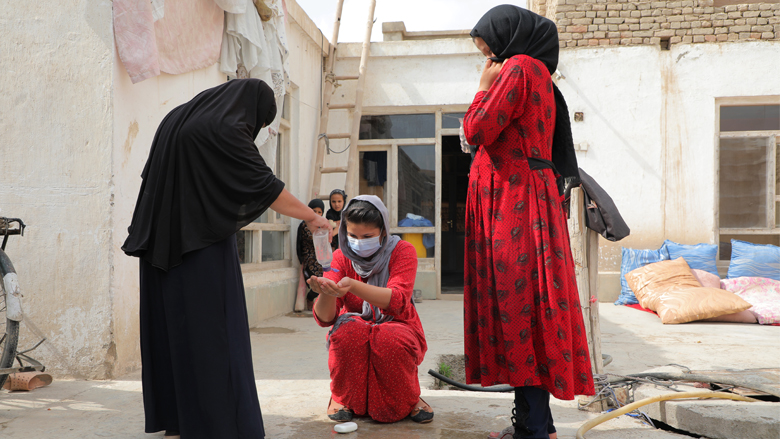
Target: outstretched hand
[(326, 286), (319, 222), (489, 74)]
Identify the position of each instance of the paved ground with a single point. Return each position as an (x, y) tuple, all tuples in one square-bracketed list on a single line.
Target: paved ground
[(292, 381)]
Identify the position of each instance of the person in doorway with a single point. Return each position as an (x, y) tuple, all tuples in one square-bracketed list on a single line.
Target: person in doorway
[(203, 181), (377, 340), (336, 200), (523, 323), (306, 254)]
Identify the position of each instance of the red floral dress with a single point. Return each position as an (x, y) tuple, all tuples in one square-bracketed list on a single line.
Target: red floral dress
[(523, 322)]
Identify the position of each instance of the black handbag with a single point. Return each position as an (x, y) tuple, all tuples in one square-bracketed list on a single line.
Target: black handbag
[(601, 214)]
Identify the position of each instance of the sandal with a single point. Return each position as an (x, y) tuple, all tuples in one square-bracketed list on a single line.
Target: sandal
[(27, 381), (507, 433), (420, 415), (341, 415)]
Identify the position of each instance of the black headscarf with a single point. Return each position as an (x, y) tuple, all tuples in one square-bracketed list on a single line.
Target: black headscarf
[(204, 178), (510, 30), (316, 203), (332, 214)]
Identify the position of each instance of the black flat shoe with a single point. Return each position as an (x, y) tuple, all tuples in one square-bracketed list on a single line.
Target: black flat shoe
[(342, 415), (420, 416), (170, 433)]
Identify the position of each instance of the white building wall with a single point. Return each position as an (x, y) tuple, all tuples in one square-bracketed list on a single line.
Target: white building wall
[(55, 174), (76, 134), (272, 292), (138, 110), (650, 125), (649, 120)]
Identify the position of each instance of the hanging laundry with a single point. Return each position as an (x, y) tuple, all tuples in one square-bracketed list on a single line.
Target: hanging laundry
[(232, 6), (135, 41), (259, 48), (187, 36), (158, 9)]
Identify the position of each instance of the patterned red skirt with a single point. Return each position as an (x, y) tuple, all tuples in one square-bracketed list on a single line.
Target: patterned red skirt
[(523, 321)]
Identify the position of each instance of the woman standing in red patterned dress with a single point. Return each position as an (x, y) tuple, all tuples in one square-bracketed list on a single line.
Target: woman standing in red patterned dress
[(523, 323)]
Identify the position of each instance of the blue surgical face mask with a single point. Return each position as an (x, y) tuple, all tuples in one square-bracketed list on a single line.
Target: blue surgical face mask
[(364, 247)]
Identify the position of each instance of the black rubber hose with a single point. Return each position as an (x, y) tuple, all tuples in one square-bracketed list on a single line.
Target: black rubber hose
[(495, 389)]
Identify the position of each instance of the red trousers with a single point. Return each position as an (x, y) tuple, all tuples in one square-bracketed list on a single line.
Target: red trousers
[(373, 369)]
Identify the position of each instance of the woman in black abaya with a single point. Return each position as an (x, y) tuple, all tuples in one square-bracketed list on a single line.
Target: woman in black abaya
[(204, 180)]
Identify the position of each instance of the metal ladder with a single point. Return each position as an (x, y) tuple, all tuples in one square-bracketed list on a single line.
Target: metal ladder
[(323, 140)]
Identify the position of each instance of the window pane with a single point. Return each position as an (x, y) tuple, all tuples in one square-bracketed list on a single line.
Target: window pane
[(750, 118), (244, 244), (777, 168), (725, 242), (451, 120), (265, 217), (273, 246), (280, 172), (280, 139), (373, 174), (424, 243), (286, 107), (743, 182), (416, 185), (777, 214), (398, 126)]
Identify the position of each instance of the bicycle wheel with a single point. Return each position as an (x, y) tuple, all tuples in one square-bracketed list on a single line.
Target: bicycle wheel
[(9, 329)]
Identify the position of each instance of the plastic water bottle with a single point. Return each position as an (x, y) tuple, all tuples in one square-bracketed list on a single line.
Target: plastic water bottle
[(322, 248)]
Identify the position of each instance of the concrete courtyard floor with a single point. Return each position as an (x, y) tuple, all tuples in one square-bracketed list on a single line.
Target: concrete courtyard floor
[(292, 382)]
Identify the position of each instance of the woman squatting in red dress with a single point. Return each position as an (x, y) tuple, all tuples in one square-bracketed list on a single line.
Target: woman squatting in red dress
[(523, 322), (377, 340)]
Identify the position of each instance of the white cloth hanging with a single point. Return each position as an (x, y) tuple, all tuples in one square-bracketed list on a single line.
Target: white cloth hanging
[(261, 48), (158, 9), (232, 6), (172, 36)]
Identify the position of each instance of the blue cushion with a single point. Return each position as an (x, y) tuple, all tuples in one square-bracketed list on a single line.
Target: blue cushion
[(699, 256), (633, 259), (754, 260)]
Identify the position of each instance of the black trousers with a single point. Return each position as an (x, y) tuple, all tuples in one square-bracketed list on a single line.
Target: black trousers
[(535, 413), (195, 348)]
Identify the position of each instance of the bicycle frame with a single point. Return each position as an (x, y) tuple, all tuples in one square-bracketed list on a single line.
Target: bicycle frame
[(13, 295), (13, 301)]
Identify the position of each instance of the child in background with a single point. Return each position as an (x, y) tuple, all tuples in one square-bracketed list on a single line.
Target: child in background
[(306, 255), (377, 340), (337, 200)]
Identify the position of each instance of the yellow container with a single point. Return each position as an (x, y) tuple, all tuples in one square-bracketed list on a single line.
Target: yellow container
[(416, 239)]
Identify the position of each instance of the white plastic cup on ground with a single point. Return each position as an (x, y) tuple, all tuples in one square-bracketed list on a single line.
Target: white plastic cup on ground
[(346, 427)]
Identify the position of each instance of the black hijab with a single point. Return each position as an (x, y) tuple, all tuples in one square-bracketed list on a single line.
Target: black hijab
[(316, 203), (332, 214), (204, 178), (510, 30)]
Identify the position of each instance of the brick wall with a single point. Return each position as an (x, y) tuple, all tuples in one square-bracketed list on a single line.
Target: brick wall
[(601, 23)]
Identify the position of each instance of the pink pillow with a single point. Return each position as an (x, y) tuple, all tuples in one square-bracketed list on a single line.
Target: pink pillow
[(706, 279), (738, 317), (762, 293)]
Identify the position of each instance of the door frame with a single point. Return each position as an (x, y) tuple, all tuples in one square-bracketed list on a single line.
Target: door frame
[(391, 145)]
